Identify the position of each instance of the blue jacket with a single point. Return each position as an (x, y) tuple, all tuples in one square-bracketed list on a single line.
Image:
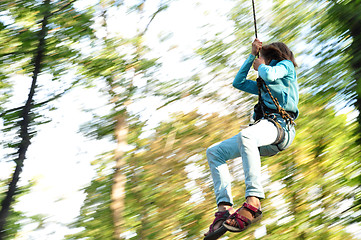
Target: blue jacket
[(280, 76)]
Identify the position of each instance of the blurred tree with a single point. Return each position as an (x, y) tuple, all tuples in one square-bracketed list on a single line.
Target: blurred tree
[(24, 123), (118, 69), (37, 38), (170, 184), (13, 217), (344, 17), (95, 217), (167, 184)]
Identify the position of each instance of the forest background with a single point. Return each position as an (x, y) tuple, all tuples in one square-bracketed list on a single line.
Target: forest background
[(107, 108)]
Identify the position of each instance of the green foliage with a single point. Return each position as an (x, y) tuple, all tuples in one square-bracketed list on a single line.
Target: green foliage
[(16, 219), (160, 186), (95, 217), (37, 37), (159, 191), (311, 172), (66, 26), (19, 36)]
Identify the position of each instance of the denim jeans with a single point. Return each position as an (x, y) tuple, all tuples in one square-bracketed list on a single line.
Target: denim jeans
[(251, 143)]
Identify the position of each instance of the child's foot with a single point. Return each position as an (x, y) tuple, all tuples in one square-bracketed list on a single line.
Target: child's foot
[(216, 229), (244, 216)]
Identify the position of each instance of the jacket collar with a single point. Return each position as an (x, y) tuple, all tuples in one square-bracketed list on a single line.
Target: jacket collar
[(273, 63)]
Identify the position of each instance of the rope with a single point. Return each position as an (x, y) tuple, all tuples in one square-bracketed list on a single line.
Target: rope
[(254, 19), (260, 83)]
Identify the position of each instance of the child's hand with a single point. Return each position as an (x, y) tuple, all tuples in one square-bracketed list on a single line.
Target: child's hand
[(256, 46), (257, 62)]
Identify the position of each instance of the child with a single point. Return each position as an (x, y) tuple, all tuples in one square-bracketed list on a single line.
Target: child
[(276, 66)]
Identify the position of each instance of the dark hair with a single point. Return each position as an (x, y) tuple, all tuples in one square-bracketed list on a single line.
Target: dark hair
[(278, 51)]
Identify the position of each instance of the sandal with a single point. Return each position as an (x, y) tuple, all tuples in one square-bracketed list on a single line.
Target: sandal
[(215, 234), (243, 222)]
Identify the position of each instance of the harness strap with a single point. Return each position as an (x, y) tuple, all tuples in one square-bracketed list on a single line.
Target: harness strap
[(280, 132), (280, 110)]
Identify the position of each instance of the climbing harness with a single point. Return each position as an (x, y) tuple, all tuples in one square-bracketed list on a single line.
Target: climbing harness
[(261, 107), (262, 111)]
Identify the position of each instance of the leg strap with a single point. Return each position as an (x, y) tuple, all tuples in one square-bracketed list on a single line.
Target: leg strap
[(280, 131)]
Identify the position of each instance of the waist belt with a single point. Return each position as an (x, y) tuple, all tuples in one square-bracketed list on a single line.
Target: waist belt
[(274, 111)]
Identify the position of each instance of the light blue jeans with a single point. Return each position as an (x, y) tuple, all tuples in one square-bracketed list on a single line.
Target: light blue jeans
[(251, 143)]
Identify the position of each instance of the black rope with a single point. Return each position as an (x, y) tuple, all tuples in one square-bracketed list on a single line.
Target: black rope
[(254, 19)]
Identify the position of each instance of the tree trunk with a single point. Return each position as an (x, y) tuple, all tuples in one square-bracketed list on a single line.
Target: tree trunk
[(24, 124), (118, 188), (6, 203), (117, 204)]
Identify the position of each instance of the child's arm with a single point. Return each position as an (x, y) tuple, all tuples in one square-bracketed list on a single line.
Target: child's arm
[(240, 82), (270, 74)]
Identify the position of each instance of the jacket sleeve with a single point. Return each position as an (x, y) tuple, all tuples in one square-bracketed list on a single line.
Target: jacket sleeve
[(270, 74), (240, 82)]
